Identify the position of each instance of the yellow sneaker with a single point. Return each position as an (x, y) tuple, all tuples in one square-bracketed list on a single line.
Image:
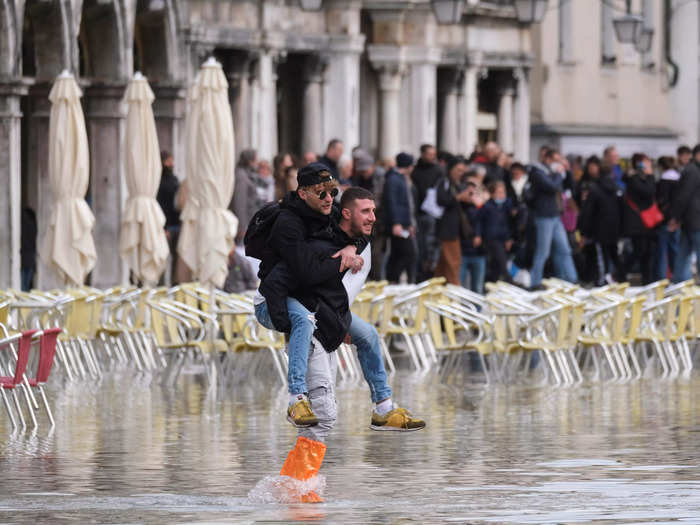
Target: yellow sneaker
[(398, 420), (300, 414)]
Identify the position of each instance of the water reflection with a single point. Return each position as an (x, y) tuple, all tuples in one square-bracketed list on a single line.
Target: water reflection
[(129, 451)]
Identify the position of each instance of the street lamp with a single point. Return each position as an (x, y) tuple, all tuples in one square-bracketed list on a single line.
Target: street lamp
[(311, 5), (530, 11), (448, 11), (643, 42), (628, 27)]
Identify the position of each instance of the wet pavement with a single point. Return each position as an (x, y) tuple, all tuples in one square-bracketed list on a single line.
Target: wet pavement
[(130, 451)]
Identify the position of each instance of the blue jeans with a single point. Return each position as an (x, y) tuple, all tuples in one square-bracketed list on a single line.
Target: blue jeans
[(364, 336), (303, 326), (690, 242), (551, 238), (475, 267), (666, 251)]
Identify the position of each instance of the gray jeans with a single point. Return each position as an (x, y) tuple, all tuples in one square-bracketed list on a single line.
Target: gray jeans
[(320, 381)]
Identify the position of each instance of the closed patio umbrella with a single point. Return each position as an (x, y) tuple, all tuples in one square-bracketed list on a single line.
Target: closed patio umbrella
[(142, 241), (187, 242), (216, 226), (67, 245)]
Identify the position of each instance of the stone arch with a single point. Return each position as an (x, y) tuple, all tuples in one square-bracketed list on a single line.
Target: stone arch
[(156, 50), (9, 39), (103, 40), (46, 46)]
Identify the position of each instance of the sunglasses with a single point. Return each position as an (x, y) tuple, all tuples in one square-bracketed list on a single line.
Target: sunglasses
[(322, 195)]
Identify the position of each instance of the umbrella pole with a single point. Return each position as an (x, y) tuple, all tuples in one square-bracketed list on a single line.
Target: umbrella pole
[(212, 335)]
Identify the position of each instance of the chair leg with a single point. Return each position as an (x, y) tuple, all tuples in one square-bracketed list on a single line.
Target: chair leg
[(30, 407), (387, 355), (19, 408), (8, 408), (46, 405)]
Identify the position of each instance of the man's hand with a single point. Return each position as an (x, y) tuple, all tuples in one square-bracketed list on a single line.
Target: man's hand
[(464, 196), (672, 225), (397, 230), (347, 256), (509, 244), (357, 264), (477, 241)]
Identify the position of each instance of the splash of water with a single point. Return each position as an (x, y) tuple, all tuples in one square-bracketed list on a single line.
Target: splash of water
[(283, 489)]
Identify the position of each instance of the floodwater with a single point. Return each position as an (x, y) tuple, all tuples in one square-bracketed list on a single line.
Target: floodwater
[(128, 450)]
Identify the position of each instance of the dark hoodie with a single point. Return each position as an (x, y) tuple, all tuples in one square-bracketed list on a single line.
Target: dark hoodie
[(319, 286), (599, 218), (424, 176)]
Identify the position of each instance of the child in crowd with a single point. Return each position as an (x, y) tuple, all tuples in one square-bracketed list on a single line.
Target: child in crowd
[(496, 232), (473, 268)]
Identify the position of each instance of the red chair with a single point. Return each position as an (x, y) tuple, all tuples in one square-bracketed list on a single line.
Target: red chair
[(47, 351), (10, 382)]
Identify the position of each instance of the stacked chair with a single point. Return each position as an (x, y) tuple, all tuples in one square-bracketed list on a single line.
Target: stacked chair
[(561, 336)]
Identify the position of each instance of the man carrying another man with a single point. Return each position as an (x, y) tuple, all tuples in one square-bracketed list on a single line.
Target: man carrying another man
[(317, 249)]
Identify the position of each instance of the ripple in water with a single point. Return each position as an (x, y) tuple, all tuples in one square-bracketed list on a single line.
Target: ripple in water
[(283, 489)]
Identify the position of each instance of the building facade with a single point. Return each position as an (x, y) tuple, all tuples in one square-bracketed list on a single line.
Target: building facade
[(376, 73), (589, 90)]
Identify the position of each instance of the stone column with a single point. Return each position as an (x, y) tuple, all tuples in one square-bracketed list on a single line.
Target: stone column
[(238, 73), (505, 120), (422, 112), (105, 127), (36, 188), (522, 116), (449, 93), (341, 107), (685, 103), (10, 181), (469, 108), (312, 106), (390, 122), (265, 108), (169, 113)]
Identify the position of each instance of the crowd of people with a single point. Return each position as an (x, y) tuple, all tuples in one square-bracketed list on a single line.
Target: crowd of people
[(486, 217)]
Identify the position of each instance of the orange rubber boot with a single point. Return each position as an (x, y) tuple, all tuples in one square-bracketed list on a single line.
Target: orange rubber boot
[(303, 462)]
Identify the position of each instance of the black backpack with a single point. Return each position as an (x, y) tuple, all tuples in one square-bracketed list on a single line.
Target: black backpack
[(259, 229)]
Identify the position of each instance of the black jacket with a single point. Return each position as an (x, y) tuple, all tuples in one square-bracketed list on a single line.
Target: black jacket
[(544, 187), (496, 221), (640, 190), (328, 299), (666, 189), (453, 224), (169, 185), (686, 204), (599, 218), (287, 242), (299, 265), (424, 177)]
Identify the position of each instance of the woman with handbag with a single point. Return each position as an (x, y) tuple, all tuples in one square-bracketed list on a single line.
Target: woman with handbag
[(454, 225), (640, 215)]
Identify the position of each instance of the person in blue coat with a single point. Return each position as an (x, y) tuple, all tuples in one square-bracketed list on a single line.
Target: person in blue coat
[(400, 219)]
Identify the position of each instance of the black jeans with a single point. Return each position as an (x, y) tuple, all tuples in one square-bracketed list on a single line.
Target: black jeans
[(497, 266), (402, 257), (643, 247)]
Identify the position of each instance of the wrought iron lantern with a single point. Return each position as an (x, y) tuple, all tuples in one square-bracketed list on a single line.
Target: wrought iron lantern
[(530, 11), (448, 11), (311, 5)]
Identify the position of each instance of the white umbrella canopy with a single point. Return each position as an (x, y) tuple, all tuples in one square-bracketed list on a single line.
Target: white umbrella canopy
[(68, 246), (142, 241), (215, 175), (187, 242)]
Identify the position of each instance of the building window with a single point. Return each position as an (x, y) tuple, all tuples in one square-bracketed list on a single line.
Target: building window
[(607, 33)]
